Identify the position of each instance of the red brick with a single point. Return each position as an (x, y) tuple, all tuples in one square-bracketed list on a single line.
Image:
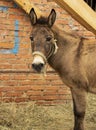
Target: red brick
[(10, 83), (19, 77), (51, 97), (16, 11), (8, 88), (36, 98), (4, 77), (37, 87), (22, 88), (21, 99), (13, 94), (34, 93), (15, 16), (6, 3), (51, 92), (20, 66), (64, 91), (55, 88), (7, 56), (5, 66), (1, 94), (34, 76)]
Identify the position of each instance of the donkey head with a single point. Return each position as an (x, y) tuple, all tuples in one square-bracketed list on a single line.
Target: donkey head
[(42, 39)]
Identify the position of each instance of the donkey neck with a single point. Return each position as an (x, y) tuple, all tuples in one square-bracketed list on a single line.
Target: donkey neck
[(67, 45)]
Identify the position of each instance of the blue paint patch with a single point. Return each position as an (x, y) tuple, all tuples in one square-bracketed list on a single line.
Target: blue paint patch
[(16, 25), (16, 41), (3, 8)]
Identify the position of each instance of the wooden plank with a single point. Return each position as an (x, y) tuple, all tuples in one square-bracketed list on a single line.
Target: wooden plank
[(26, 6), (6, 45), (81, 12)]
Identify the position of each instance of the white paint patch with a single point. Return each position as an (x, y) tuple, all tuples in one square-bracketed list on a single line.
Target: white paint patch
[(38, 59)]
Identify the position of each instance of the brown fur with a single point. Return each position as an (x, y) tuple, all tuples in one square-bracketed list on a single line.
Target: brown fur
[(75, 62)]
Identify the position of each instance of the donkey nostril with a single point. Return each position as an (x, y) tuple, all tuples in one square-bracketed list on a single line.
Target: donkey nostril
[(41, 65), (33, 65), (38, 67)]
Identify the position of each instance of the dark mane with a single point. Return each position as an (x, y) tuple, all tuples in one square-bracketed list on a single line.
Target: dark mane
[(42, 20)]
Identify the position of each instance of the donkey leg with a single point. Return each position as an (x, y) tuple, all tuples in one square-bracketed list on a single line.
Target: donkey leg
[(79, 106)]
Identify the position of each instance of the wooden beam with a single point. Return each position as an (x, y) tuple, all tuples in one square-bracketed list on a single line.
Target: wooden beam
[(26, 6), (81, 12)]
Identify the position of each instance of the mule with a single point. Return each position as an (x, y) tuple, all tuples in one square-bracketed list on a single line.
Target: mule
[(73, 57)]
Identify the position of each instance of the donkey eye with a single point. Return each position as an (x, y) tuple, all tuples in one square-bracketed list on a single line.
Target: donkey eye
[(48, 39), (32, 38)]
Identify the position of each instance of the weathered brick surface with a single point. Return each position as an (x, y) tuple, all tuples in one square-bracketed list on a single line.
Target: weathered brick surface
[(17, 81)]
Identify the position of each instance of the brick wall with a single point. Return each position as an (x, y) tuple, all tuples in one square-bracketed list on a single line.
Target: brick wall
[(17, 81)]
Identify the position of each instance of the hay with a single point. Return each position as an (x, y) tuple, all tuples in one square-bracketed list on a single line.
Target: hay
[(29, 116)]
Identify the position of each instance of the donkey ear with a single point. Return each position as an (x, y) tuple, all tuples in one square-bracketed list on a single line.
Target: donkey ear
[(33, 16), (52, 18)]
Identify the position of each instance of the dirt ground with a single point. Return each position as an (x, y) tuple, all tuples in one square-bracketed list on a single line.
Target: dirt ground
[(30, 116)]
